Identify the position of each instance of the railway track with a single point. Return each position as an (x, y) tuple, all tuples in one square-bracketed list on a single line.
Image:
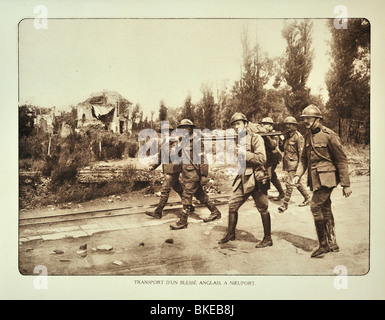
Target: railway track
[(108, 212)]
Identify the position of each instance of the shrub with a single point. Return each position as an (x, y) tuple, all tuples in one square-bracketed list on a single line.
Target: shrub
[(132, 149)]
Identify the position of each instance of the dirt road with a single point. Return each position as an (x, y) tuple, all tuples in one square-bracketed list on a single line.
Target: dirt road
[(141, 245)]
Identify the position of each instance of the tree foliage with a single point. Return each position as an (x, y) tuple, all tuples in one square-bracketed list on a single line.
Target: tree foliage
[(26, 121), (208, 107), (162, 112), (348, 80), (249, 93), (298, 64), (188, 109)]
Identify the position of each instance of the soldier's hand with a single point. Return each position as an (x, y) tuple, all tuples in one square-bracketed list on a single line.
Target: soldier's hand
[(295, 180), (346, 191), (150, 168)]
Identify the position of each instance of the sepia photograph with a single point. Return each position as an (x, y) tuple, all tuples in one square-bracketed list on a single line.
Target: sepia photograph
[(103, 103)]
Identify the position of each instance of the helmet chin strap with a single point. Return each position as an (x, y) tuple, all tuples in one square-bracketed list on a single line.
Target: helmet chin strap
[(311, 127)]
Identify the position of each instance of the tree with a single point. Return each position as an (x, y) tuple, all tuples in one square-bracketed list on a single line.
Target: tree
[(249, 93), (348, 80), (188, 109), (298, 64), (224, 111), (137, 116), (174, 116), (162, 111), (26, 121), (208, 108)]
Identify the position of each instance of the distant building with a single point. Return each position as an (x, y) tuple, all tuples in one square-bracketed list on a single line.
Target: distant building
[(108, 109), (44, 121)]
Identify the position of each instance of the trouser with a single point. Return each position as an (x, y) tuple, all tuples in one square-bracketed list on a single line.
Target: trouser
[(238, 198), (274, 179), (171, 180), (321, 209), (194, 188), (290, 187)]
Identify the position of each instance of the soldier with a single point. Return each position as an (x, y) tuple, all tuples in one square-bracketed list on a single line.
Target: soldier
[(171, 174), (194, 177), (253, 181), (292, 147), (273, 157), (327, 166)]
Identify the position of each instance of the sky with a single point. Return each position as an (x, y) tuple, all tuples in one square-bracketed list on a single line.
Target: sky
[(146, 60)]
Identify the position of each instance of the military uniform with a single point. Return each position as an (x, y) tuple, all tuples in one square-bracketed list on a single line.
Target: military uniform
[(171, 177), (273, 158), (327, 166), (194, 176), (292, 147), (253, 181)]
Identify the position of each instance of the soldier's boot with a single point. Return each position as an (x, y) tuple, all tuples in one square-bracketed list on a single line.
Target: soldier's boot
[(232, 223), (157, 214), (277, 184), (266, 222), (284, 206), (215, 213), (305, 195), (183, 217), (331, 236), (321, 234)]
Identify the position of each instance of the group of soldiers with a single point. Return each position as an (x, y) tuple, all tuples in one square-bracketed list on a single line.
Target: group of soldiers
[(319, 152)]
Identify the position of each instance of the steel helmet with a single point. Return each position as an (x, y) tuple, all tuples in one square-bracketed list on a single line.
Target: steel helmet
[(267, 120), (311, 111), (290, 120), (186, 122), (238, 116)]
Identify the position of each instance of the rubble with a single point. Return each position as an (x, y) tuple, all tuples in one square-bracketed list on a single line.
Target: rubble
[(104, 247), (81, 252), (57, 251)]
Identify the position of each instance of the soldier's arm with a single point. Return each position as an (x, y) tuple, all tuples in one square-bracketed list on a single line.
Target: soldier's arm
[(300, 146), (153, 166), (302, 166), (281, 143), (258, 156), (341, 161)]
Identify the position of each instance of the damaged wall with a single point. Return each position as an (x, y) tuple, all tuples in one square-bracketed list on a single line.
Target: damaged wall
[(108, 109)]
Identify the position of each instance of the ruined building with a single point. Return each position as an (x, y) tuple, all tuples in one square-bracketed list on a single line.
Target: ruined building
[(108, 109)]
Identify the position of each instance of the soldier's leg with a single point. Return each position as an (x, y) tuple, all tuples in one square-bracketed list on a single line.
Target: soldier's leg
[(164, 194), (203, 198), (277, 184), (329, 225), (178, 187), (320, 196), (237, 199), (289, 191), (302, 189), (188, 192), (262, 204), (176, 184)]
